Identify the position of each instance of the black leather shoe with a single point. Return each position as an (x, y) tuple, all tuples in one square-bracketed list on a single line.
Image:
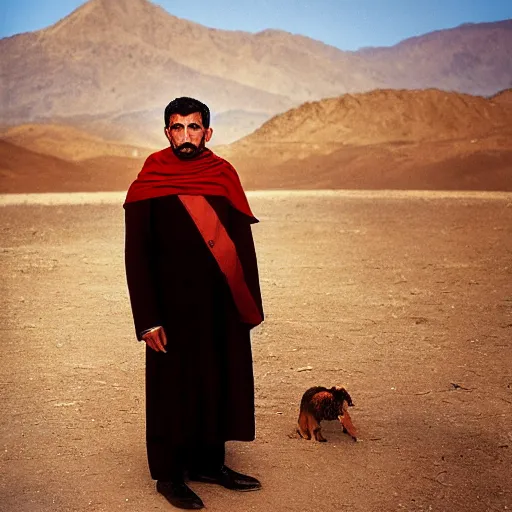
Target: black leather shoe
[(179, 494), (227, 478)]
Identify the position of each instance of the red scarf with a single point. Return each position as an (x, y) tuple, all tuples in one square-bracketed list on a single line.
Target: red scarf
[(165, 174)]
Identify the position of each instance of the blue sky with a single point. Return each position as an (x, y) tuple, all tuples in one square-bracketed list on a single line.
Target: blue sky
[(347, 24)]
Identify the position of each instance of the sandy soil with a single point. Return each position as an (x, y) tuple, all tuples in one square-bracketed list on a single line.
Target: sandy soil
[(404, 298)]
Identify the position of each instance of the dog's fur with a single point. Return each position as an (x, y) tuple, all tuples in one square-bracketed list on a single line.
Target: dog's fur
[(319, 403)]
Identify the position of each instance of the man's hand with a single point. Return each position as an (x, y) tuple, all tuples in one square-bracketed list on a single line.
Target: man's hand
[(156, 339)]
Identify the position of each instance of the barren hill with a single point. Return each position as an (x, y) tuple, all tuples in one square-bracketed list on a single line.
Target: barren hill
[(24, 171), (504, 97), (112, 65), (19, 167), (383, 139), (68, 143), (386, 116), (455, 60)]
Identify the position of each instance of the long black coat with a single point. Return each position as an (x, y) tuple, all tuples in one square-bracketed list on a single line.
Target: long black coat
[(202, 389)]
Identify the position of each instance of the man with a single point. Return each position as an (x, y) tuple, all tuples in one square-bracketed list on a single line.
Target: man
[(194, 290)]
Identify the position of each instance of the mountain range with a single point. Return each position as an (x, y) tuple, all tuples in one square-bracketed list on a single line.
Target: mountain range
[(82, 103), (111, 66)]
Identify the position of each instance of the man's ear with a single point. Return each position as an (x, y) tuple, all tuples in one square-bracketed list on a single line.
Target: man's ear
[(208, 134), (167, 132)]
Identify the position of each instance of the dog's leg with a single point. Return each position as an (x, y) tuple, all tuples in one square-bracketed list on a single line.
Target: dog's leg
[(318, 435), (315, 428), (302, 428), (347, 425)]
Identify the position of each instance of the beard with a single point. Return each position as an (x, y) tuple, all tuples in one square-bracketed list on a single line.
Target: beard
[(187, 150)]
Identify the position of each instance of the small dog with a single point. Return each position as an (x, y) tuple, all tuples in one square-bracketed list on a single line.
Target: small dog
[(319, 404)]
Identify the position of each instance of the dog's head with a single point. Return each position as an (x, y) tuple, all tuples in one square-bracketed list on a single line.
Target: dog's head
[(341, 395)]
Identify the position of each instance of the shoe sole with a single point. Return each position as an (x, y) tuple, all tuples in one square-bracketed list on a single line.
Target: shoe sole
[(212, 481)]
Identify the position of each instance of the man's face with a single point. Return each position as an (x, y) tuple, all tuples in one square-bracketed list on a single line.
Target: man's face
[(187, 135)]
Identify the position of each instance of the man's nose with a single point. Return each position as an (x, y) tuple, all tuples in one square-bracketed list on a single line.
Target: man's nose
[(186, 135)]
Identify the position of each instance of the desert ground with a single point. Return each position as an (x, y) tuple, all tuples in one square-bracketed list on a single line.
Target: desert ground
[(405, 298)]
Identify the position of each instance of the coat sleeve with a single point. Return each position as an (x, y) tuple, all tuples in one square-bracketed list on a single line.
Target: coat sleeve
[(139, 266)]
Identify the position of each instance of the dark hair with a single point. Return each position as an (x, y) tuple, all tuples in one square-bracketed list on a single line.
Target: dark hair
[(185, 106)]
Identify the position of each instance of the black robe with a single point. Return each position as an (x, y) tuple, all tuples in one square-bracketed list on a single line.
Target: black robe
[(202, 390)]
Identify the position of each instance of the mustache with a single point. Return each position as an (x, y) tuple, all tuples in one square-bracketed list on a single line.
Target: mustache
[(187, 145)]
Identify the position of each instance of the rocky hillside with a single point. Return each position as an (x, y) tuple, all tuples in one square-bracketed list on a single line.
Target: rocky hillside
[(389, 115), (383, 139)]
